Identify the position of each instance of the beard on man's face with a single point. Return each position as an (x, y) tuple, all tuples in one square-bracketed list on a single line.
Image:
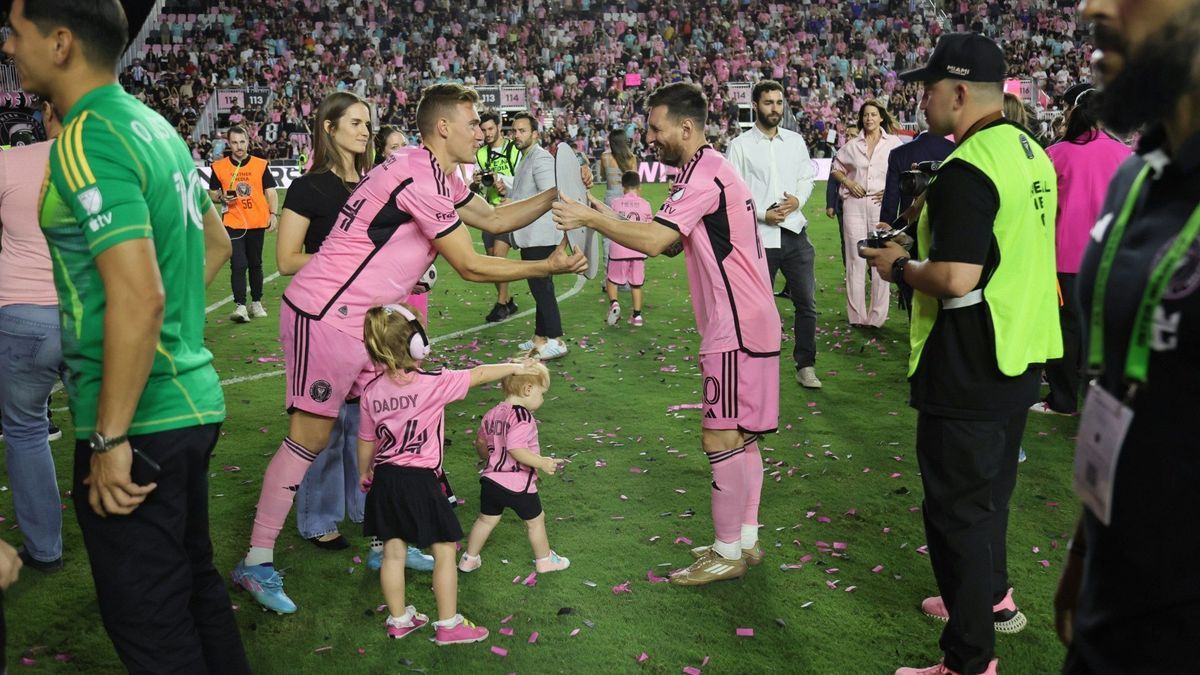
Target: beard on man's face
[(1153, 78), (771, 120)]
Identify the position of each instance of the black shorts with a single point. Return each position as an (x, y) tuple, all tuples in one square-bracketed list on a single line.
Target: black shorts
[(408, 503), (489, 239), (493, 499)]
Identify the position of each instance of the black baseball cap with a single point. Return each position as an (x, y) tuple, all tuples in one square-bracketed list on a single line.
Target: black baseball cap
[(962, 56)]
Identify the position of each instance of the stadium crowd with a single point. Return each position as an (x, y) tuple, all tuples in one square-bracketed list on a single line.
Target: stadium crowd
[(586, 65)]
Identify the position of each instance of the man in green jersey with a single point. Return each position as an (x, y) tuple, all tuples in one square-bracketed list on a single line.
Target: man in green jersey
[(133, 239)]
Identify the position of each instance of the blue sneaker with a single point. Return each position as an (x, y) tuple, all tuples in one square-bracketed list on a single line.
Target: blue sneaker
[(414, 560), (264, 583)]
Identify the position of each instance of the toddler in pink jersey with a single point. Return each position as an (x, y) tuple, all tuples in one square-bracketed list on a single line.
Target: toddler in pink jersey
[(626, 265), (508, 442), (400, 444)]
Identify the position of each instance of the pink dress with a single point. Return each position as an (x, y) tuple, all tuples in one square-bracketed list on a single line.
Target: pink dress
[(859, 216)]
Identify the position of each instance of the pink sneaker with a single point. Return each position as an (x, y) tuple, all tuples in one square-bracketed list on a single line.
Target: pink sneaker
[(397, 629), (552, 563), (941, 669), (637, 320), (461, 633), (1007, 617), (469, 563)]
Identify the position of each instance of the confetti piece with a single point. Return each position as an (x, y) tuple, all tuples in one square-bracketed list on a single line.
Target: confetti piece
[(499, 651), (590, 584), (877, 569), (380, 608), (1044, 563), (634, 469), (704, 662), (643, 657), (654, 578), (573, 633), (356, 560), (839, 546), (691, 671), (680, 491), (745, 632), (63, 658), (531, 580), (231, 469), (850, 589), (506, 619), (683, 540), (923, 550), (533, 637), (622, 588), (806, 605), (322, 650), (26, 661), (361, 651), (506, 631)]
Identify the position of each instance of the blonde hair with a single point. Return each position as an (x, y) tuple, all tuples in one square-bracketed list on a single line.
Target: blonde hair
[(514, 384), (440, 100), (386, 334)]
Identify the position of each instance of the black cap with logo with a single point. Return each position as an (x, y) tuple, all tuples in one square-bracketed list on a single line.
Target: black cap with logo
[(962, 56)]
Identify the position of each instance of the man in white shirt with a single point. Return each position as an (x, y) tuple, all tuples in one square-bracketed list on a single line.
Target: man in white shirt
[(774, 162)]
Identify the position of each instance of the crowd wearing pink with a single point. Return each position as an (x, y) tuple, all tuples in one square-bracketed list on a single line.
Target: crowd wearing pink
[(1084, 171)]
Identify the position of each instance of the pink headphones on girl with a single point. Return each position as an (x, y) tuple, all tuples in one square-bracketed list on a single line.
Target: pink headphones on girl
[(418, 342)]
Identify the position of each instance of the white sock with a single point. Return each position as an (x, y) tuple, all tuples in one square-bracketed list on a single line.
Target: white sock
[(728, 550), (376, 544), (449, 623), (749, 536), (468, 556), (260, 556), (405, 619)]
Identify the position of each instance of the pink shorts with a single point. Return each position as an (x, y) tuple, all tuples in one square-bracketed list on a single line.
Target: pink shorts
[(740, 391), (323, 365), (632, 272), (421, 303)]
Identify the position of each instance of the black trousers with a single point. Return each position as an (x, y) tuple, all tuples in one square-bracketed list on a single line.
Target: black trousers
[(247, 257), (548, 321), (1065, 375), (164, 605), (968, 470), (795, 258)]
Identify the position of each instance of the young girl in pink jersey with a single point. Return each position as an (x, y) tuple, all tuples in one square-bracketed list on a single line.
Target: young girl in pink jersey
[(508, 442), (400, 458)]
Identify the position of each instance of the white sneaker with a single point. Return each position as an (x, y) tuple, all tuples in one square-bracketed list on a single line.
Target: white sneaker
[(257, 311), (239, 315), (807, 377), (526, 346), (614, 313), (553, 349)]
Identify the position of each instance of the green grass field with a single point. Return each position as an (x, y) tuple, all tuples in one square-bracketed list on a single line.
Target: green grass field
[(844, 470)]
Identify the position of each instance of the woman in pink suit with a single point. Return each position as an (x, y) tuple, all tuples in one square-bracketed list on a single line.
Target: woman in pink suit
[(861, 168)]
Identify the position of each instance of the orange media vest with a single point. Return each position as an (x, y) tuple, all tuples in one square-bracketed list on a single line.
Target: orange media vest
[(250, 211)]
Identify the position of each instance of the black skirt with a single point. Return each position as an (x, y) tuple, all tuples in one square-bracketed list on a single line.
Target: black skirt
[(408, 503)]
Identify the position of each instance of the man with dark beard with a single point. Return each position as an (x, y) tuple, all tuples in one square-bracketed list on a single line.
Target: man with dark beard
[(1120, 608), (774, 163)]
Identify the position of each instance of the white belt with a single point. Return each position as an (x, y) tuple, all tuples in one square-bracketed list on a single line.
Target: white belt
[(973, 298)]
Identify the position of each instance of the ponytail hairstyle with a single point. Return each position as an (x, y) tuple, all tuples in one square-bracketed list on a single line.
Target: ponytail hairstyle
[(1083, 122), (387, 334)]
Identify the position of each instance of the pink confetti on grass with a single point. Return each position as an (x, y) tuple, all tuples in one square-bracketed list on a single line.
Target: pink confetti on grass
[(849, 589), (634, 469), (1044, 563), (26, 661), (531, 580), (684, 406), (361, 651), (923, 550), (506, 631), (622, 588), (839, 546), (499, 651), (356, 560), (231, 469), (895, 475), (683, 540), (654, 578), (877, 569), (691, 671), (745, 632), (506, 619), (704, 662), (517, 579), (269, 359), (812, 404), (831, 584), (824, 519), (573, 633), (806, 558), (533, 637), (380, 608), (63, 658), (643, 657)]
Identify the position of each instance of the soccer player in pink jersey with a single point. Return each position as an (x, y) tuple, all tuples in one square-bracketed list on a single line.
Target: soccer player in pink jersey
[(401, 216), (710, 213), (400, 445), (508, 443), (626, 265)]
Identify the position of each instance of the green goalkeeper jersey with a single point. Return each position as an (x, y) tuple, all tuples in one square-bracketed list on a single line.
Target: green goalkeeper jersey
[(118, 172)]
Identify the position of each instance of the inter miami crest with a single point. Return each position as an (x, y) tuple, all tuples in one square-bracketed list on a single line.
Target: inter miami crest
[(320, 391)]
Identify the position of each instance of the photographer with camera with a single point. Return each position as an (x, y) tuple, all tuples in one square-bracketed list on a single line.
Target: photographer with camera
[(498, 156), (902, 161), (985, 317)]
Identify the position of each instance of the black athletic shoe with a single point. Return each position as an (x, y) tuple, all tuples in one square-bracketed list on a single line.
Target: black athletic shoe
[(511, 307), (499, 313), (337, 544), (55, 432), (44, 567)]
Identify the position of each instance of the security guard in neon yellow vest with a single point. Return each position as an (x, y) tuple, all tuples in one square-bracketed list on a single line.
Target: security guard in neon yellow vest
[(497, 157), (984, 321)]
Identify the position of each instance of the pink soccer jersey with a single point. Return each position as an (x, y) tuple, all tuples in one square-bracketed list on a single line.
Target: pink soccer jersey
[(630, 207), (405, 416), (510, 426), (381, 243), (711, 207)]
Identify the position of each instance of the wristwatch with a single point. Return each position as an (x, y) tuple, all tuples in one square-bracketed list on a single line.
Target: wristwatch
[(898, 269), (100, 444)]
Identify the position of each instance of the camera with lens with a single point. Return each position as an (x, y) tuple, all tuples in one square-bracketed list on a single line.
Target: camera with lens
[(487, 179), (914, 182), (880, 238)]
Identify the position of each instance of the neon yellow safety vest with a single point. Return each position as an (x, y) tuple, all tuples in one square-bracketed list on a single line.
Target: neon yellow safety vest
[(503, 162), (1022, 292)]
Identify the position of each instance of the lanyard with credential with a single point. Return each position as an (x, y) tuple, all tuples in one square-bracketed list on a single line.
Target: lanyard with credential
[(1137, 360)]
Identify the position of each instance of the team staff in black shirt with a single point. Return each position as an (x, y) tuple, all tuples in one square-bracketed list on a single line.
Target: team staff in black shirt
[(1129, 597)]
